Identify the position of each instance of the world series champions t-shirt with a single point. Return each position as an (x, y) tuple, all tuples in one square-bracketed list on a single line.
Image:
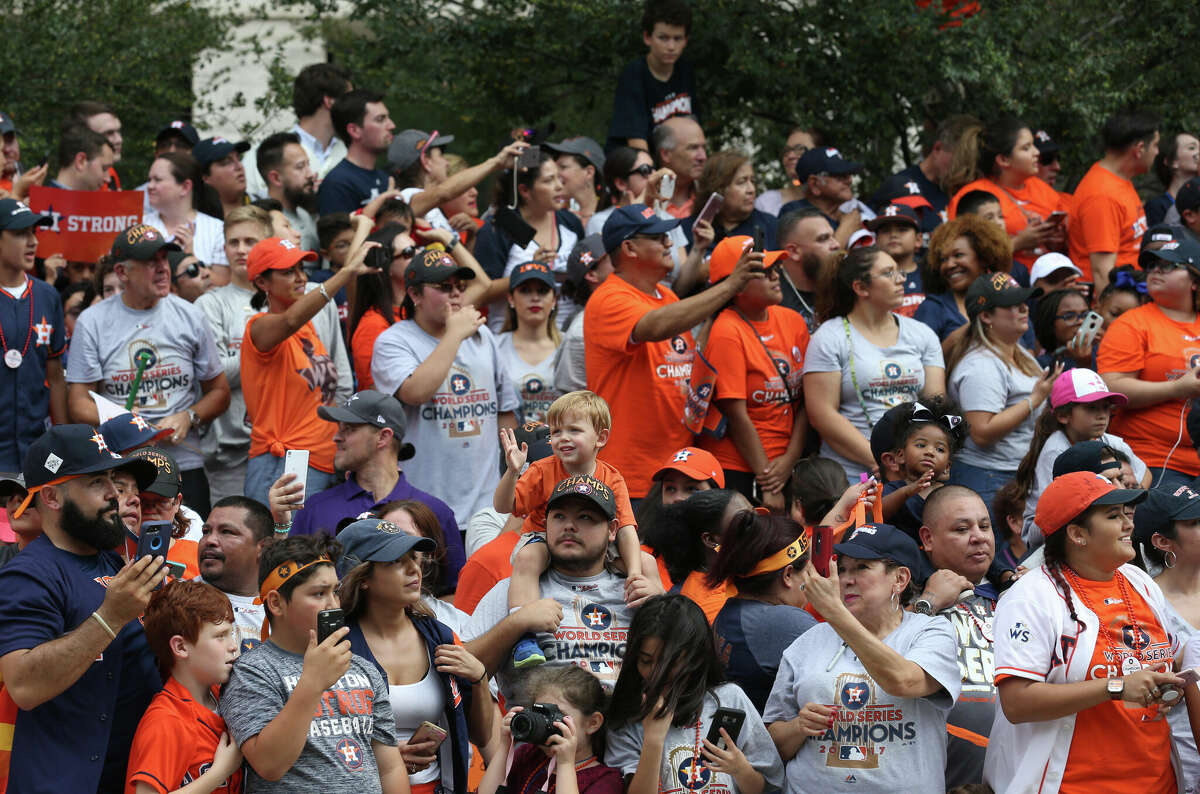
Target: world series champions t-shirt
[(172, 342), (454, 432), (878, 742), (534, 382), (970, 720), (642, 101), (337, 755)]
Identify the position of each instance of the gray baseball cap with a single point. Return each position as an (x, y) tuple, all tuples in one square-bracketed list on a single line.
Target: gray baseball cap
[(583, 146), (370, 407), (406, 148)]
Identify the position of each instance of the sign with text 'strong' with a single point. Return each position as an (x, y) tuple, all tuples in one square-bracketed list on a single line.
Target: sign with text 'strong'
[(85, 221)]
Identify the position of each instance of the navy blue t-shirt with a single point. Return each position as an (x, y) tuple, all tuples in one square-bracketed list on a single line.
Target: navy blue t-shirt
[(913, 182), (348, 187), (1158, 207), (766, 223), (33, 325), (751, 638), (642, 101), (804, 204), (80, 740), (940, 312)]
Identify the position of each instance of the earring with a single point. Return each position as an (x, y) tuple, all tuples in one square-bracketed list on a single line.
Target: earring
[(1169, 559), (1083, 543), (895, 600)]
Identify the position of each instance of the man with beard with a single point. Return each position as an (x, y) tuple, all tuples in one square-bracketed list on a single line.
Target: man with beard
[(284, 167), (362, 122), (73, 655), (808, 241), (230, 544)]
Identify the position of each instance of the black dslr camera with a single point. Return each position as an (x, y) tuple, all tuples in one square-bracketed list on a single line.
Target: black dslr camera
[(535, 724)]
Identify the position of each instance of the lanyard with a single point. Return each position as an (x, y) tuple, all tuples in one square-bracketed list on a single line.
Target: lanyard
[(28, 333), (787, 386), (854, 375)]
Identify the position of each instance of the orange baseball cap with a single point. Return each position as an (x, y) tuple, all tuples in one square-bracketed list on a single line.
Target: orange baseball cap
[(275, 253), (696, 463), (727, 253), (1069, 495)]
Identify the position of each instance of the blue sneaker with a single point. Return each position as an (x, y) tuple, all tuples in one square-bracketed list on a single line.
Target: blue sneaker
[(527, 653)]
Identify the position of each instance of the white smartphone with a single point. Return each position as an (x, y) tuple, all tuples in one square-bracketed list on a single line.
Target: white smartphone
[(295, 461), (667, 187), (1086, 335)]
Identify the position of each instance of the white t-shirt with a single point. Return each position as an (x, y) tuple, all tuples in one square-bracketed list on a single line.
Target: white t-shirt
[(437, 219), (534, 383), (886, 377), (208, 238), (248, 619), (455, 432), (769, 202), (982, 382)]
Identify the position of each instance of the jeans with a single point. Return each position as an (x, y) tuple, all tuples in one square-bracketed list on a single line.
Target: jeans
[(985, 482), (229, 481), (1170, 479), (262, 472)]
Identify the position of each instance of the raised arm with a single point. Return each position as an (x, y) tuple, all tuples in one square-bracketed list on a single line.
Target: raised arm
[(675, 318)]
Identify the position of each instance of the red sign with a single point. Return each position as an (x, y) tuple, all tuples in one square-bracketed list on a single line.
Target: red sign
[(85, 221)]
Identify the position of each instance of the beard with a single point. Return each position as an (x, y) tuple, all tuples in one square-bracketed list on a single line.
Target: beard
[(96, 531), (304, 197), (812, 265)]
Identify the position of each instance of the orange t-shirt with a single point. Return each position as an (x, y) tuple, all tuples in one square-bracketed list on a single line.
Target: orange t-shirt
[(362, 344), (1034, 200), (1106, 217), (1113, 730), (645, 383), (744, 372), (537, 483), (175, 743), (1147, 342), (283, 389), (710, 599), (491, 563)]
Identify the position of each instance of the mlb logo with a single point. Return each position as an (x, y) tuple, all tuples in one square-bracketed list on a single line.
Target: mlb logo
[(848, 752)]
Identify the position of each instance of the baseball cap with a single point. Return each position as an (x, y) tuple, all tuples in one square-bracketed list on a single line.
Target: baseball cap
[(536, 437), (860, 239), (168, 481), (1161, 508), (1044, 143), (275, 253), (1184, 251), (699, 464), (65, 452), (209, 150), (1085, 456), (1082, 385), (1188, 196), (370, 407), (405, 148), (15, 216), (434, 267), (583, 146), (1066, 497), (588, 488), (140, 241), (883, 435), (128, 431), (625, 222), (7, 124), (376, 540), (995, 290), (531, 271), (1046, 264), (894, 213), (725, 256), (824, 160), (183, 130), (12, 483), (586, 254), (881, 542)]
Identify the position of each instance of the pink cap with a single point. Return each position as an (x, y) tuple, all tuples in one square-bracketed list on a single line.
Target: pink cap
[(1082, 386)]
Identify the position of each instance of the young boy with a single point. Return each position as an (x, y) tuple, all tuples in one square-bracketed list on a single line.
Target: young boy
[(181, 741), (309, 717), (913, 444), (898, 231), (987, 206), (579, 426)]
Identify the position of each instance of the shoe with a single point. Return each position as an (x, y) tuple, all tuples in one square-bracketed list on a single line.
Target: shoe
[(527, 653)]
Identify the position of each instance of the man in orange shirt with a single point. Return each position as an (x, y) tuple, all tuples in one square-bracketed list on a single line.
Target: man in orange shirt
[(638, 341), (1106, 217)]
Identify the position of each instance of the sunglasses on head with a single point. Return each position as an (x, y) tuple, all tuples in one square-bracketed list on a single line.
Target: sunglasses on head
[(405, 253), (644, 169)]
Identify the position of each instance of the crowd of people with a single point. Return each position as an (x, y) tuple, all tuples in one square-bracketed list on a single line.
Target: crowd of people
[(330, 476)]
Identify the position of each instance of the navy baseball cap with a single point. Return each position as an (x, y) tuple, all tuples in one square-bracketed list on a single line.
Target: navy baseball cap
[(1161, 508), (1085, 456), (376, 540), (1044, 143), (1188, 196), (7, 125), (130, 431), (882, 542), (894, 213), (1184, 251), (824, 160), (180, 129), (209, 150), (15, 216), (996, 290), (586, 254), (531, 271), (625, 222), (65, 452), (370, 407)]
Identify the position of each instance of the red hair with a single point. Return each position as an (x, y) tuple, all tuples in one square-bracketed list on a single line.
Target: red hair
[(182, 608)]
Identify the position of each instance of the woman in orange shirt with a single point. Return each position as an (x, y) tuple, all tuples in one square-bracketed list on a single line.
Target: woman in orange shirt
[(1002, 159)]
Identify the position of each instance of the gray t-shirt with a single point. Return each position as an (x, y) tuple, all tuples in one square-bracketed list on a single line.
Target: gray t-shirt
[(886, 377), (570, 364), (173, 337), (534, 383), (455, 432), (976, 705), (593, 632), (878, 743), (993, 387), (337, 756), (682, 769)]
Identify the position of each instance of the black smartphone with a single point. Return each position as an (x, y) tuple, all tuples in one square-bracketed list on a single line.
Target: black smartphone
[(511, 223), (822, 549), (729, 719), (329, 621), (759, 245)]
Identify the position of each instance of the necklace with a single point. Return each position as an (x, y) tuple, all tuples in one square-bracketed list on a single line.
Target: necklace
[(14, 357), (1130, 662), (695, 755), (978, 623)]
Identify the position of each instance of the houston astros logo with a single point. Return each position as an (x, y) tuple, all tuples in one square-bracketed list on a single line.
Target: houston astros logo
[(597, 617), (283, 571), (98, 439), (351, 753), (681, 456), (854, 695)]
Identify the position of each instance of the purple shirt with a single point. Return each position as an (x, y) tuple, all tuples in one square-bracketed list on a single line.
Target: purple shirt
[(323, 511)]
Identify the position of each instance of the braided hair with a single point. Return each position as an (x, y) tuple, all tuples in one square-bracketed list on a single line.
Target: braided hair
[(1056, 560)]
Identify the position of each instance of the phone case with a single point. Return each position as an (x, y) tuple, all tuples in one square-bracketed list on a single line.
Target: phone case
[(295, 461), (329, 621), (822, 549), (729, 719)]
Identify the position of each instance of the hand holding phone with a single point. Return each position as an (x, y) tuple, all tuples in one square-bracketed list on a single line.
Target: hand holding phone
[(428, 732), (154, 540), (822, 549), (711, 208), (329, 621), (729, 719), (530, 157), (295, 461), (666, 188)]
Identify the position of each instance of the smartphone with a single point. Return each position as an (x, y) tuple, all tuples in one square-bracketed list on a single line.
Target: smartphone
[(530, 157), (759, 244), (176, 569), (822, 549), (1086, 334), (427, 731), (154, 539), (511, 223), (729, 719), (711, 208), (667, 186), (295, 461), (328, 621), (1058, 216)]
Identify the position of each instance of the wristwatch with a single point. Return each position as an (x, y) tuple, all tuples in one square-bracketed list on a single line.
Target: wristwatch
[(450, 246), (922, 606), (193, 417), (1116, 688)]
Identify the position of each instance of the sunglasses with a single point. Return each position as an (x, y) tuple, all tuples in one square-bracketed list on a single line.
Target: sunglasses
[(1165, 266), (448, 287), (643, 169), (406, 253), (193, 271)]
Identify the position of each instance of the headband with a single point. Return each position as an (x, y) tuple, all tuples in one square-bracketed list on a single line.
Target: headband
[(782, 558), (281, 574)]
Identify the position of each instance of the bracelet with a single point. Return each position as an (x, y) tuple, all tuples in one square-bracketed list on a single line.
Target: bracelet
[(479, 680), (284, 528), (324, 294), (1031, 408), (104, 624), (453, 242)]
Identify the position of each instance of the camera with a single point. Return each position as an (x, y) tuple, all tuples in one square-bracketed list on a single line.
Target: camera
[(535, 725)]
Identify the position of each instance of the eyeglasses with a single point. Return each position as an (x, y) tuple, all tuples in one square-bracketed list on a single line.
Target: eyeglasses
[(1070, 317), (644, 170), (661, 239), (447, 287), (1165, 266), (406, 253), (193, 271), (892, 274)]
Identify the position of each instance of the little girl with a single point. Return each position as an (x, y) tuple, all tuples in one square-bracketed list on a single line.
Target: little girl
[(663, 704), (1080, 409), (571, 759)]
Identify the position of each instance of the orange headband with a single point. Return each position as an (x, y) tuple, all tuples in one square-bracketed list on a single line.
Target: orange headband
[(784, 557), (278, 576)]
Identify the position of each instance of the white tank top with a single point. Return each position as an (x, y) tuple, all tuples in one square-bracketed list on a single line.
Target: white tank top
[(413, 704)]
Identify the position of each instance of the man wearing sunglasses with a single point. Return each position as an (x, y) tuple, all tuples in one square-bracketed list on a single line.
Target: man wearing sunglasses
[(189, 276)]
